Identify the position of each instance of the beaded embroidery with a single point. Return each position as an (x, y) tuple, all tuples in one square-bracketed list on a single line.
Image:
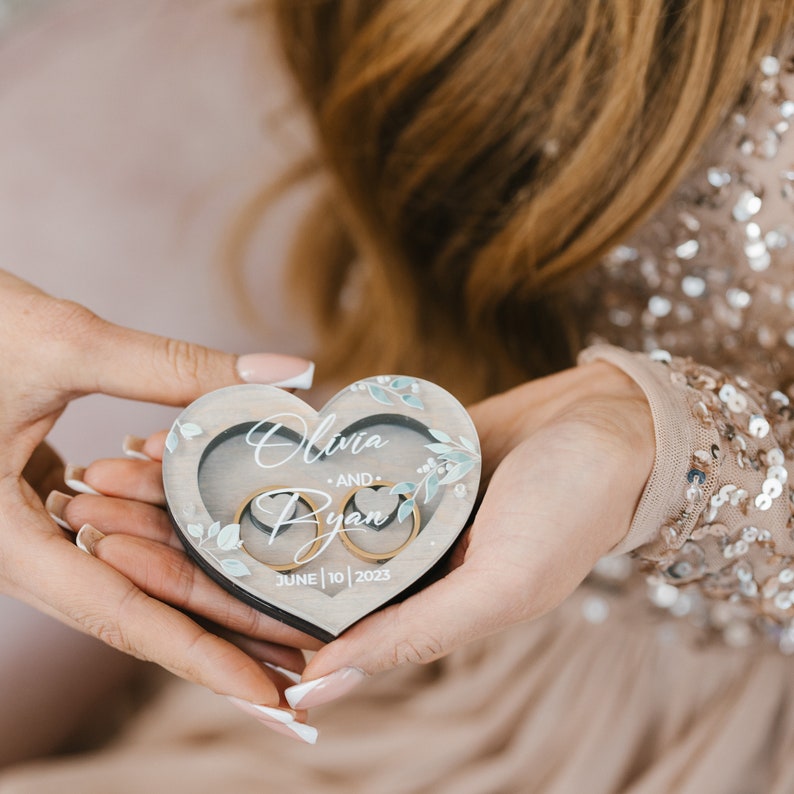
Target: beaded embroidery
[(710, 277), (720, 546)]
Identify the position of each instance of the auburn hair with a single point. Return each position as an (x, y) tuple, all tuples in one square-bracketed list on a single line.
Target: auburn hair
[(481, 153)]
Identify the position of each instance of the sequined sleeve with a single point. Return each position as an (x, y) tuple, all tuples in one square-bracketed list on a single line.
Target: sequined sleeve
[(716, 512)]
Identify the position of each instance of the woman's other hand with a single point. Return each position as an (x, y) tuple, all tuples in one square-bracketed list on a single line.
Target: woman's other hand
[(53, 351), (565, 461)]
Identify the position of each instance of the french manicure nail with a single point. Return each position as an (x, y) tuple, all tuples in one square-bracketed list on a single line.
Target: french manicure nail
[(87, 538), (308, 733), (302, 381), (279, 720), (294, 677), (288, 372), (263, 712), (295, 730), (132, 446), (73, 477), (56, 505), (325, 689)]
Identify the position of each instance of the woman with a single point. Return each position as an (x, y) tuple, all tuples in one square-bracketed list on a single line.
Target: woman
[(483, 157)]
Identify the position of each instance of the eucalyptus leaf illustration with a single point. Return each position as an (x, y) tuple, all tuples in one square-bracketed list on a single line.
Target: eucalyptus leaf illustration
[(229, 537), (378, 394), (457, 472), (438, 449), (403, 487), (402, 382), (468, 444), (456, 457), (190, 430), (413, 401), (195, 530), (171, 441), (439, 435), (431, 487), (406, 508), (235, 568), (214, 529)]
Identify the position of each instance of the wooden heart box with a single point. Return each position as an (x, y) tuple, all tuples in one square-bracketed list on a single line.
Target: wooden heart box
[(319, 518)]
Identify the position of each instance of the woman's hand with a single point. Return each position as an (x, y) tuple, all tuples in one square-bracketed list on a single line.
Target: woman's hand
[(565, 461), (53, 351)]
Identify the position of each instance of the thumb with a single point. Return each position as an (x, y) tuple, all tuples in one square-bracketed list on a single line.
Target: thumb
[(123, 362), (427, 626)]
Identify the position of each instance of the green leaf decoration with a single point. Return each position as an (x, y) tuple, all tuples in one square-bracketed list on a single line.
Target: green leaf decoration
[(413, 401), (439, 435), (455, 456), (378, 394), (190, 430), (406, 508), (403, 487), (402, 382), (468, 444), (235, 568), (438, 449), (458, 472), (171, 441), (195, 530), (431, 487), (229, 537), (215, 528)]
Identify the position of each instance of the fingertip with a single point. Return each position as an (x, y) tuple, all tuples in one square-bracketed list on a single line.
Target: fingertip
[(283, 672), (140, 480), (154, 446)]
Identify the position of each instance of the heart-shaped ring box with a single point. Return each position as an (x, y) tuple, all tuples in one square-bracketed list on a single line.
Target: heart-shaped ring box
[(319, 518)]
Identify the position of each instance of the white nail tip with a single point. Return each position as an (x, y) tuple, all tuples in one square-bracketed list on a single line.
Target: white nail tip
[(302, 381), (306, 732), (294, 677), (295, 694), (132, 448), (323, 690), (286, 719), (279, 715), (74, 477), (60, 522), (87, 537), (81, 487)]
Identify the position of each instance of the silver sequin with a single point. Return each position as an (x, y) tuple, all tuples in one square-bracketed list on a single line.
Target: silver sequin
[(763, 501), (772, 488), (758, 427)]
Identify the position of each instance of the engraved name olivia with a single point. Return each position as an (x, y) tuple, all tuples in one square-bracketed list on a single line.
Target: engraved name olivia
[(312, 446)]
